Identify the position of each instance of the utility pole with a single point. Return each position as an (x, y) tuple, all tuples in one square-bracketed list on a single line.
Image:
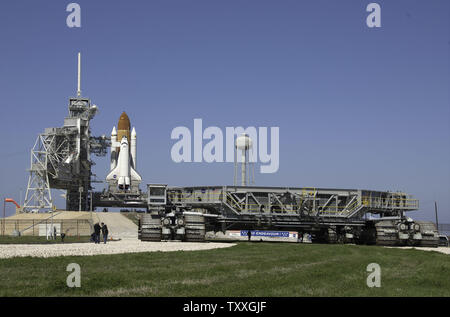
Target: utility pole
[(80, 189), (51, 228), (4, 216), (436, 212)]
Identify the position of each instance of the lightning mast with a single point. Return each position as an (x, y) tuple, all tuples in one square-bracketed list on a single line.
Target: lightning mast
[(79, 75)]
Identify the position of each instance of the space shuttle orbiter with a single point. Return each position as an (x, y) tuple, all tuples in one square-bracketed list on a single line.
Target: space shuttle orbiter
[(123, 156)]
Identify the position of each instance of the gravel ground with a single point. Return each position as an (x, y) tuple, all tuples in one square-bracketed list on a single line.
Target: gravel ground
[(114, 247), (445, 250)]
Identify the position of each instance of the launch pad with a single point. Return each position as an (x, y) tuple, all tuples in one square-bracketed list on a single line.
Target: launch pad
[(61, 159)]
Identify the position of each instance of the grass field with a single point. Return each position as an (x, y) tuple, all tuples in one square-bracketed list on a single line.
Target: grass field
[(41, 240), (248, 269)]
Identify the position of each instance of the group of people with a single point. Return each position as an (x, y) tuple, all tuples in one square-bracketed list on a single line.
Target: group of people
[(103, 228)]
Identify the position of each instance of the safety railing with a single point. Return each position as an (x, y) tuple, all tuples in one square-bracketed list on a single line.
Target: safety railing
[(309, 191), (390, 202), (195, 196)]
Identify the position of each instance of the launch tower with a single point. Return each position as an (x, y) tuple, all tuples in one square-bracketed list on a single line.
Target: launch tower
[(61, 158)]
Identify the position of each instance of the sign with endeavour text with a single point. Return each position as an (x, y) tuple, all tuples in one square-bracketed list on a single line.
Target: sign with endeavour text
[(256, 234)]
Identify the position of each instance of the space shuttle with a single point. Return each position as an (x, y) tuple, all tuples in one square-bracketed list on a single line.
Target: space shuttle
[(123, 173)]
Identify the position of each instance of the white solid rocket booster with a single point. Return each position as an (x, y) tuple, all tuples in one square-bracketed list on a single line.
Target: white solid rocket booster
[(113, 148), (133, 148)]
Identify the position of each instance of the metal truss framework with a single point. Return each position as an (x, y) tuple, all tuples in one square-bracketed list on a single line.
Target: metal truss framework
[(297, 202), (38, 195), (60, 159)]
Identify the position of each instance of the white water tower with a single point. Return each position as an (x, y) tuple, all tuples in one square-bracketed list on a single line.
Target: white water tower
[(245, 145)]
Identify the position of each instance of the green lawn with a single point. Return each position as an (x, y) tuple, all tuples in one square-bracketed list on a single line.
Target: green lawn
[(248, 269), (41, 240)]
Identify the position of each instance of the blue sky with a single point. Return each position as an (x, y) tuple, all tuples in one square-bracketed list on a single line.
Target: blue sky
[(356, 107)]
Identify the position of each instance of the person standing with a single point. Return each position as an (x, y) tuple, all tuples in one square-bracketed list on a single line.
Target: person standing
[(104, 232), (249, 234), (49, 232), (97, 233)]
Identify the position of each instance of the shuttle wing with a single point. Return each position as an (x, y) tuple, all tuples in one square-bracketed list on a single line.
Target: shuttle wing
[(114, 174), (134, 175)]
